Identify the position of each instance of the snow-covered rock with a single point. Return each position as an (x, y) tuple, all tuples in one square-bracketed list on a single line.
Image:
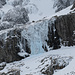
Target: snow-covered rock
[(39, 8), (2, 2), (61, 4), (5, 25), (25, 2), (14, 2), (17, 15)]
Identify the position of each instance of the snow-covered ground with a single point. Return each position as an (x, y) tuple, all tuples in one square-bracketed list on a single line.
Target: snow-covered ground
[(35, 63), (45, 8)]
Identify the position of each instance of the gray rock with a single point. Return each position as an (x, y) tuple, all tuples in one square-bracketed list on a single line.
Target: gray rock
[(18, 15), (53, 37), (2, 2), (61, 4)]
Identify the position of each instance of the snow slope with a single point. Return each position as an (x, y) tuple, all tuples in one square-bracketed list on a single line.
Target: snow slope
[(33, 65)]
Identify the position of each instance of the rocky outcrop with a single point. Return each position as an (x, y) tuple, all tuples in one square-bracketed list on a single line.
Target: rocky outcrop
[(15, 2), (55, 64), (17, 15), (73, 6), (61, 4), (5, 25), (2, 2), (53, 37), (2, 65), (65, 26)]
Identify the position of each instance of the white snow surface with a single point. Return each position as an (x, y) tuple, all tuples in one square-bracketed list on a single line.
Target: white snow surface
[(33, 65), (45, 8)]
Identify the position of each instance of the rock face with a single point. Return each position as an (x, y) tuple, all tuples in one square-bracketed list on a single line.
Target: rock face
[(17, 15), (5, 25), (2, 2), (53, 37), (9, 46), (61, 4), (65, 26)]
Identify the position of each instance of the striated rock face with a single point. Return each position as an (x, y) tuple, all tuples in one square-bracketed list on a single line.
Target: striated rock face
[(53, 37), (65, 26)]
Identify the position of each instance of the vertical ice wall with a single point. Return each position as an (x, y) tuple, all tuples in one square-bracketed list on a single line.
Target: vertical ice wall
[(36, 35), (40, 36)]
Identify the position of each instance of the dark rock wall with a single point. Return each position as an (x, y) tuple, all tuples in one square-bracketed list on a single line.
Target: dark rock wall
[(9, 46), (53, 37), (17, 15), (65, 26)]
